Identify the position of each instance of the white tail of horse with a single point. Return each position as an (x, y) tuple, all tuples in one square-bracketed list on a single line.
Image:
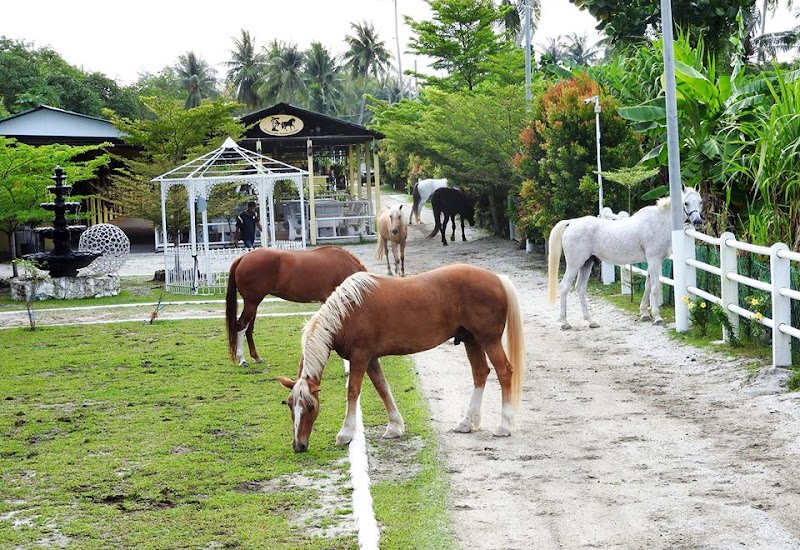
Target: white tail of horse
[(554, 258), (515, 341)]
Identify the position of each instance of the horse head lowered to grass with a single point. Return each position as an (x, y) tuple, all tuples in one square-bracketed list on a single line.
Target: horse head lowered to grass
[(644, 237), (294, 275), (471, 305)]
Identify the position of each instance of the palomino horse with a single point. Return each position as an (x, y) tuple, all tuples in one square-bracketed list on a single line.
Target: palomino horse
[(363, 321), (294, 275), (392, 228), (644, 237), (449, 201), (421, 193)]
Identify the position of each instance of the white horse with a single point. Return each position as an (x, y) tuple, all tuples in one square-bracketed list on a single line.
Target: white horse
[(644, 237), (422, 191)]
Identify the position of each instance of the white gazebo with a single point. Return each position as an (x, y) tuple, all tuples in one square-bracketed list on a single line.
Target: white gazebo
[(190, 269)]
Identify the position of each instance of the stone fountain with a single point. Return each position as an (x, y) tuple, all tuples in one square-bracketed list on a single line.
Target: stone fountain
[(62, 262)]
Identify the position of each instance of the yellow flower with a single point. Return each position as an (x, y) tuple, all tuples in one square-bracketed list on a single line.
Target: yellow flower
[(754, 301), (703, 305), (691, 305), (685, 299), (758, 316)]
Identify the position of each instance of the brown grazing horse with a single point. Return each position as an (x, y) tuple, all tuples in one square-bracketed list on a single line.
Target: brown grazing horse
[(363, 320), (294, 275), (392, 228)]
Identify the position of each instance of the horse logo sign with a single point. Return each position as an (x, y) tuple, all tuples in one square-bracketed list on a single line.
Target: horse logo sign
[(280, 125)]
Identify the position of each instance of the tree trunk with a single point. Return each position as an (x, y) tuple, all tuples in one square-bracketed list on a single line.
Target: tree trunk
[(12, 240), (363, 100)]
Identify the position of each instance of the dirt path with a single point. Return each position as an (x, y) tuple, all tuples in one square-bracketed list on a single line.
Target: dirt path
[(625, 439)]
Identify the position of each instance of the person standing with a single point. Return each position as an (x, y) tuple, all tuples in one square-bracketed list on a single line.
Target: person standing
[(246, 224)]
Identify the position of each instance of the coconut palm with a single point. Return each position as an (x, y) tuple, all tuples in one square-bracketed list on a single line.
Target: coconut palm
[(197, 78), (322, 79), (245, 68), (367, 54), (283, 78), (513, 20), (554, 50), (578, 50)]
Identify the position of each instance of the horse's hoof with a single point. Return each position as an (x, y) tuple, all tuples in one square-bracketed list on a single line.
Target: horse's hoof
[(258, 360), (343, 438), (502, 431), (594, 324), (393, 432), (645, 317), (566, 326), (463, 427), (658, 322), (244, 363)]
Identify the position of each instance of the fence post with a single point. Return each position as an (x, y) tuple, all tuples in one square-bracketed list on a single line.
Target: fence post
[(625, 280), (729, 289), (781, 306), (680, 250)]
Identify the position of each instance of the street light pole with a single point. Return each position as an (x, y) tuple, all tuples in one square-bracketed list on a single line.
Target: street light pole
[(596, 100), (528, 8), (397, 41), (607, 273)]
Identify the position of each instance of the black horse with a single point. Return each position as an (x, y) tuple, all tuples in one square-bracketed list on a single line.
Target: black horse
[(451, 201)]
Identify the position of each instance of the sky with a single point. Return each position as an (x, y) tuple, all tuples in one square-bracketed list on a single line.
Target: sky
[(148, 35)]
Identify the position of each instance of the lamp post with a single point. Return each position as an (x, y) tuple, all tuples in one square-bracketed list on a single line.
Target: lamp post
[(607, 274), (596, 100)]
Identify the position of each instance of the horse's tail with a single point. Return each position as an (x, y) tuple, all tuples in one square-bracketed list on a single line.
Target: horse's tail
[(437, 210), (230, 308), (379, 247), (417, 203), (515, 341), (554, 258)]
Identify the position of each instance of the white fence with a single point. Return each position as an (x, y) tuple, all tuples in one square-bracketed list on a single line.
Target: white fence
[(779, 287), (203, 273)]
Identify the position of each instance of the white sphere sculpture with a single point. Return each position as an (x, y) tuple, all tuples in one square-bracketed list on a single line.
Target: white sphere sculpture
[(112, 242)]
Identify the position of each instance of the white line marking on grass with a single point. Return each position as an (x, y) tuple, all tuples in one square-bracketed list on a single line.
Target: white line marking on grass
[(368, 532), (160, 318)]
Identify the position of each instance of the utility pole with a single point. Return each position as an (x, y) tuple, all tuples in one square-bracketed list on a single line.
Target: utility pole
[(679, 241), (397, 41), (528, 8)]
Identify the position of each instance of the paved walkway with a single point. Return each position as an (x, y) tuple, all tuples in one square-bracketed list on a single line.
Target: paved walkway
[(138, 263)]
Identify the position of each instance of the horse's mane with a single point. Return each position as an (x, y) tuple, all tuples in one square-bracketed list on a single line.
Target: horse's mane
[(663, 202), (357, 260), (320, 330)]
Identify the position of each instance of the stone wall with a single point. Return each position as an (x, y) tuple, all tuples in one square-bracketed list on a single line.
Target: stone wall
[(65, 288)]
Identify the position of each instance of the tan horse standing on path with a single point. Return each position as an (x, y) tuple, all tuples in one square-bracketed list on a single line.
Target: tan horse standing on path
[(392, 228)]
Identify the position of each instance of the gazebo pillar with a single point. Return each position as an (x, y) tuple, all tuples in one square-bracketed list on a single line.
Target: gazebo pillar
[(368, 169), (377, 178), (352, 175), (311, 205)]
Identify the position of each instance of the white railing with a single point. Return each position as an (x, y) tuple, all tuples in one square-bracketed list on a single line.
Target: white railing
[(204, 273), (779, 287)]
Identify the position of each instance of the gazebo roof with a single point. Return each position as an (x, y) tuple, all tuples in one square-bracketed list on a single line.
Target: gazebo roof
[(230, 163)]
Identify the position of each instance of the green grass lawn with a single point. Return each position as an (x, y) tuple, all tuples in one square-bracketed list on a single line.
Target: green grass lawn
[(147, 436)]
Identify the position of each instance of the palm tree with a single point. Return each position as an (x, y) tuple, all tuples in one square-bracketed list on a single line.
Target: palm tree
[(367, 55), (554, 51), (579, 51), (283, 78), (322, 79), (513, 20), (246, 67), (197, 78)]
